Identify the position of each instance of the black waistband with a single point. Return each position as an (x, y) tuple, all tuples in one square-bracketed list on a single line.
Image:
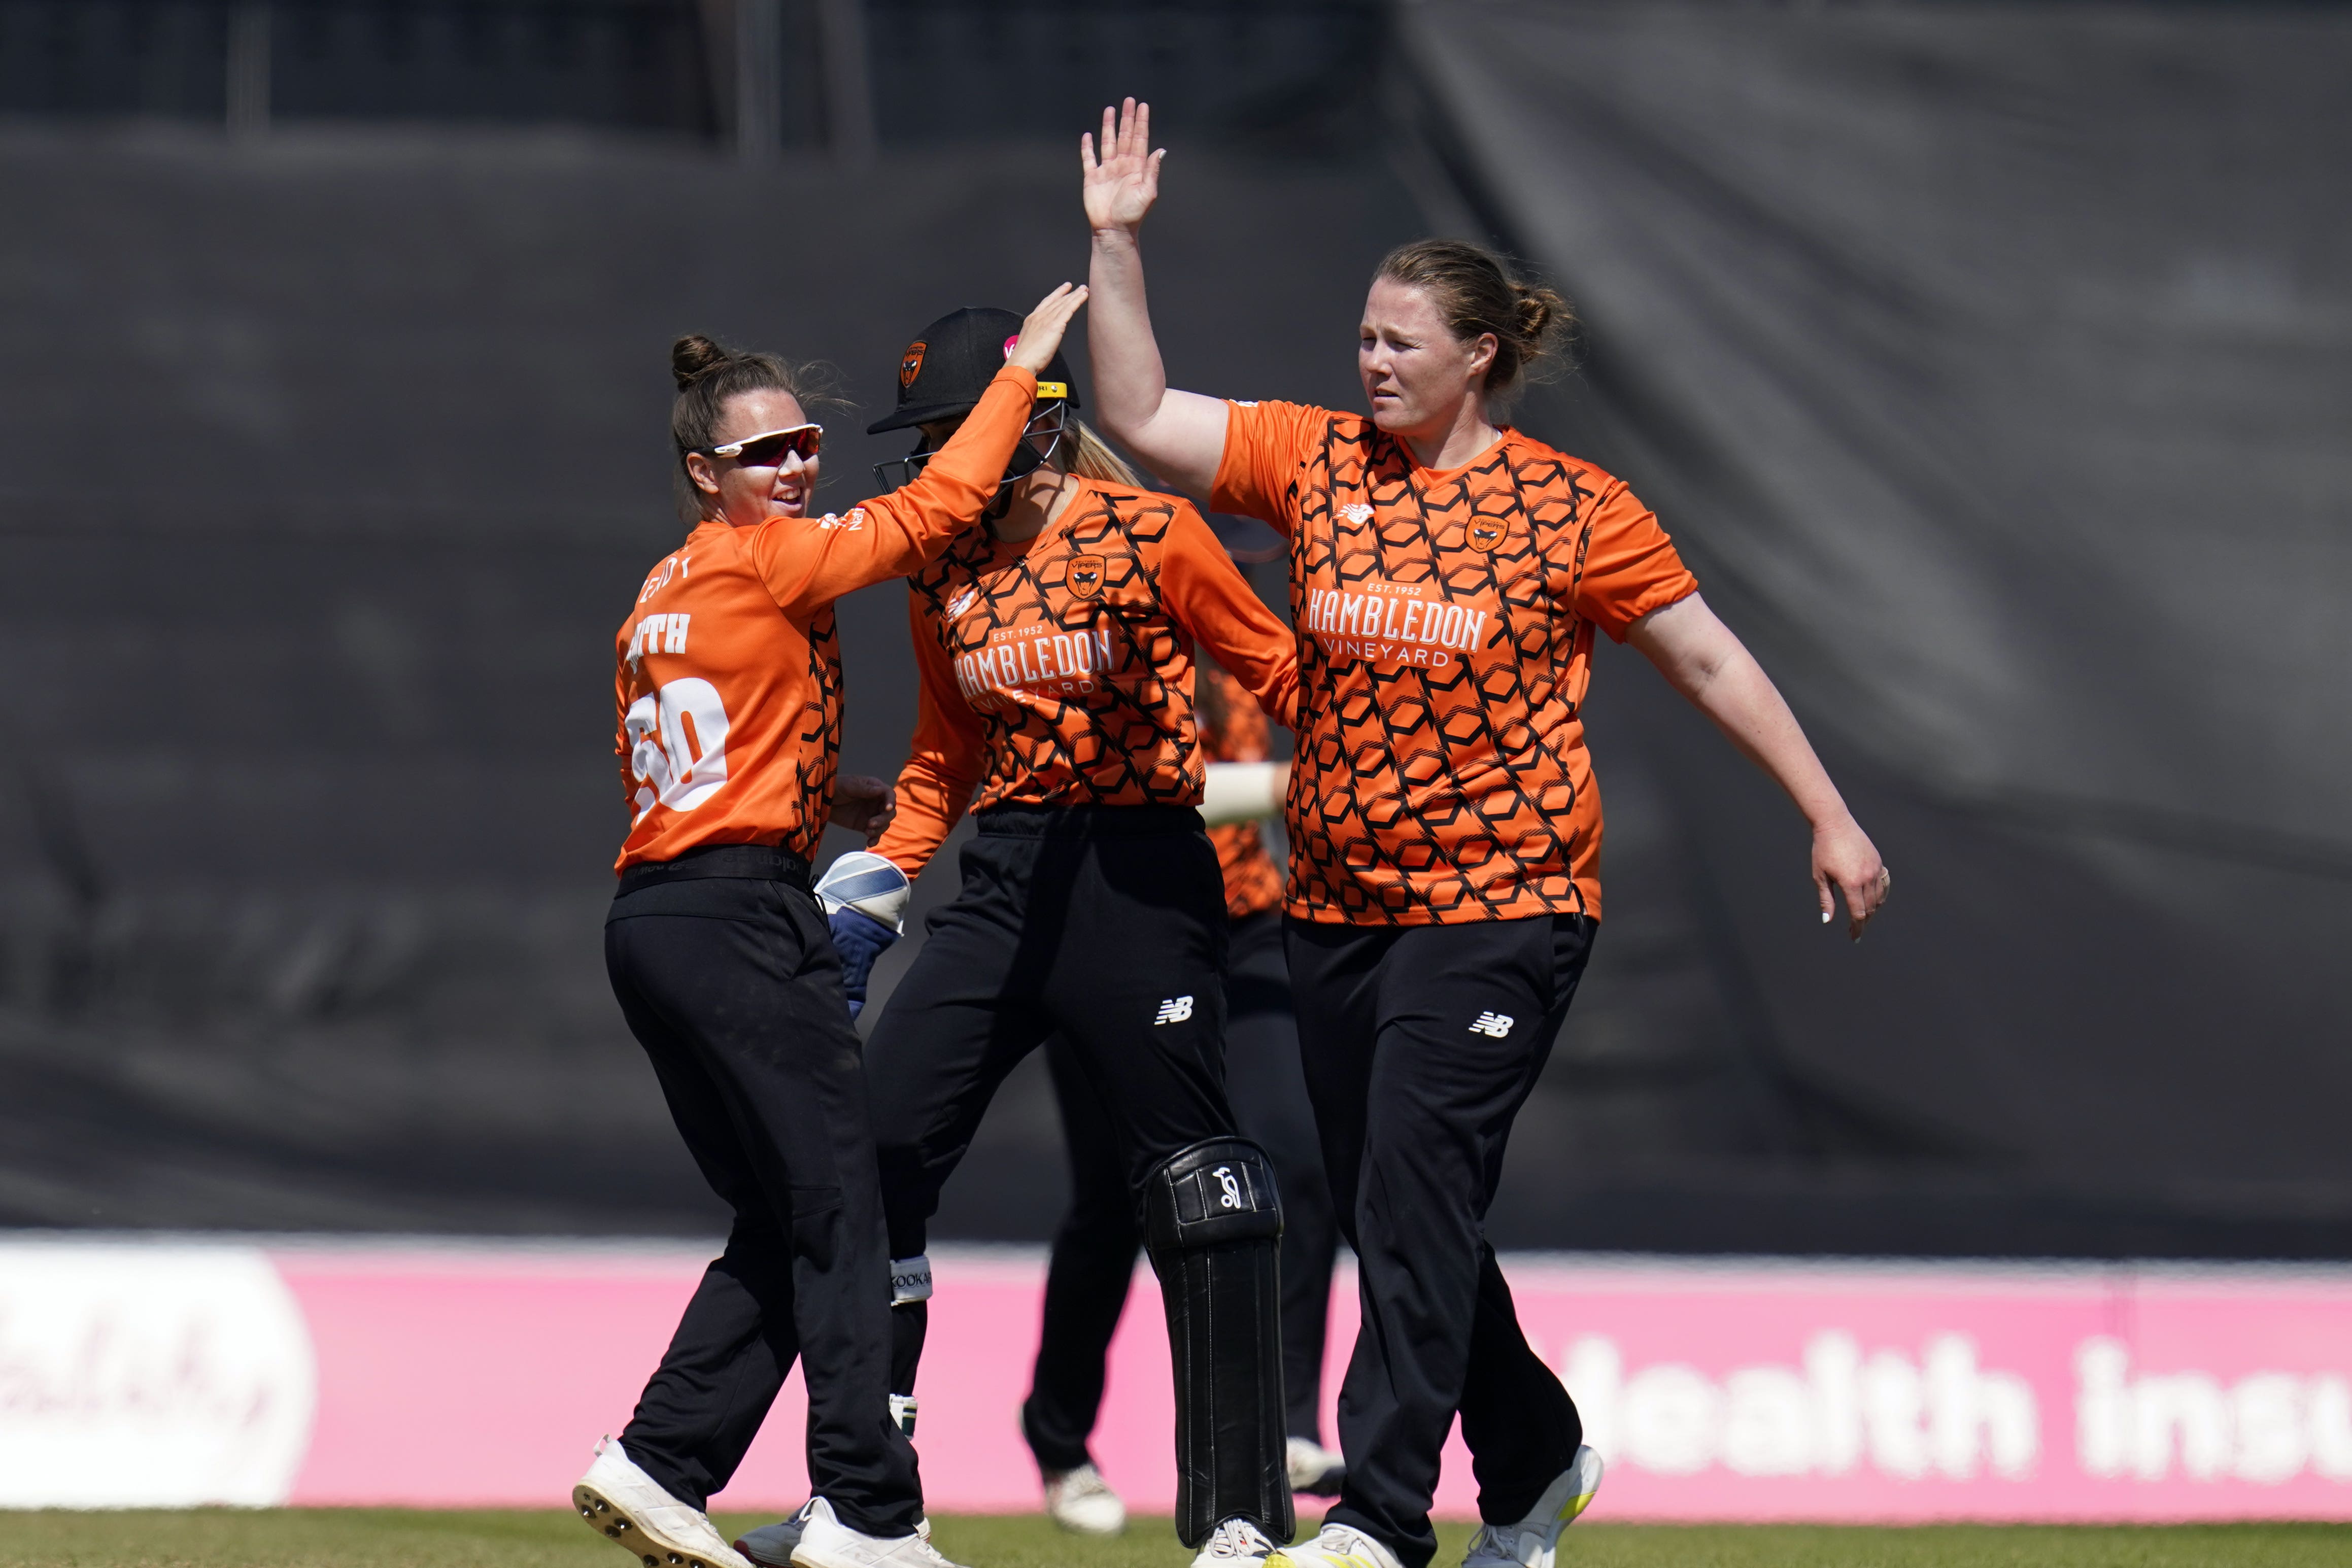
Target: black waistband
[(1087, 821), (756, 862)]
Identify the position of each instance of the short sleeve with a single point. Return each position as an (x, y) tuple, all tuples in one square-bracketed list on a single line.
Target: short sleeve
[(1630, 568), (1266, 446)]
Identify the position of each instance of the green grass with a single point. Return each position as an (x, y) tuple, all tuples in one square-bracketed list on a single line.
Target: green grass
[(382, 1538)]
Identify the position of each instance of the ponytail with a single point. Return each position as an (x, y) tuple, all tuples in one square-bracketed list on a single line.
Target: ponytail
[(1092, 458)]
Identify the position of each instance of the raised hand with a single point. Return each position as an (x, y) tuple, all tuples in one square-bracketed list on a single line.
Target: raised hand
[(1122, 185), (1041, 334)]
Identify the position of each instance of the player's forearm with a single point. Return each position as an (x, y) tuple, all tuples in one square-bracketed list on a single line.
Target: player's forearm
[(1751, 713), (1130, 381), (958, 483), (931, 801), (1705, 661)]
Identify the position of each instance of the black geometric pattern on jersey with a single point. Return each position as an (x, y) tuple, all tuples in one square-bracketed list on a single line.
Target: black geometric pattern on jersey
[(1439, 791), (820, 730), (1131, 741)]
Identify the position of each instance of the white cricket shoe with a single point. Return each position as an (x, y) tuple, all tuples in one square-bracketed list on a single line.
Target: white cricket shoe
[(1338, 1546), (1314, 1469), (1236, 1543), (1082, 1501), (770, 1546), (826, 1543), (629, 1508), (1530, 1542)]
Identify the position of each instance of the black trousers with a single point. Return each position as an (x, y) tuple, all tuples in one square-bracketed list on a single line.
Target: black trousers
[(1094, 1251), (1420, 1043), (1104, 925), (730, 984)]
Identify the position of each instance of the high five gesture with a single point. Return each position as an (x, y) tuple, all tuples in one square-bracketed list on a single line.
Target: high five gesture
[(1123, 182), (1177, 435)]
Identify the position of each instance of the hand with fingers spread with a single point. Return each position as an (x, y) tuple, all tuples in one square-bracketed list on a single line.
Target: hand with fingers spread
[(1041, 333), (1844, 858), (1123, 182)]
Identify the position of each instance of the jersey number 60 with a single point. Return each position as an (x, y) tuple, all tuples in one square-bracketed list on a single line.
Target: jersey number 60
[(678, 745)]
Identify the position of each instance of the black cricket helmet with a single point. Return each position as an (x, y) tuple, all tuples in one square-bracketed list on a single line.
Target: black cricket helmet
[(944, 373)]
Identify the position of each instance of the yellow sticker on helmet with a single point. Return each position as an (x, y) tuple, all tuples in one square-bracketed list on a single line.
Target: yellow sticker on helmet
[(1052, 389)]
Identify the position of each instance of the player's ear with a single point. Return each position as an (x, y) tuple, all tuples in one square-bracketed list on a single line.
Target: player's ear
[(704, 477), (1482, 354)]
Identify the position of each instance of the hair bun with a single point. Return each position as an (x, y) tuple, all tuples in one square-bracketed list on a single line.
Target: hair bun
[(1534, 306), (694, 356)]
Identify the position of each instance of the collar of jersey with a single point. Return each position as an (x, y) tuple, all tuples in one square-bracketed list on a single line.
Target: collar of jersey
[(1503, 435)]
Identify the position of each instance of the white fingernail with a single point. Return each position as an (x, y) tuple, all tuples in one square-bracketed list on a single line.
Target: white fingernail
[(1825, 917)]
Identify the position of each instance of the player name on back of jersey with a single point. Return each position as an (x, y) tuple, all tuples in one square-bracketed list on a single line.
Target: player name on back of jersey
[(1045, 659), (658, 634), (1395, 623)]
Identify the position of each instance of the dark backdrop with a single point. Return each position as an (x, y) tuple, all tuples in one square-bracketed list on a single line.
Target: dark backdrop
[(1991, 369)]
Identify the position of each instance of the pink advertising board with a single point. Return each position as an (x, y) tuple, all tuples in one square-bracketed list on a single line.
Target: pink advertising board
[(332, 1372)]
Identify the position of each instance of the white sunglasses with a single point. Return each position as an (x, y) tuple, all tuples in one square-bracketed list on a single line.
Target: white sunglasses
[(768, 448)]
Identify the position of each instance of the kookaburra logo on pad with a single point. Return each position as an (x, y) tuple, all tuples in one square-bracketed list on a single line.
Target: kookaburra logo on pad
[(1233, 1197)]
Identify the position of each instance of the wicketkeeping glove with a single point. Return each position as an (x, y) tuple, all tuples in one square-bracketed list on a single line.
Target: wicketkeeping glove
[(860, 938), (863, 898)]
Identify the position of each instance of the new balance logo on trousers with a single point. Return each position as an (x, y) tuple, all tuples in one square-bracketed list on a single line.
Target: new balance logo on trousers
[(1175, 1010), (1494, 1026)]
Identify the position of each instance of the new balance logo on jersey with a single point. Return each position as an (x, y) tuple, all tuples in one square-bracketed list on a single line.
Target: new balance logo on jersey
[(1175, 1010), (962, 601), (1494, 1026), (1356, 512)]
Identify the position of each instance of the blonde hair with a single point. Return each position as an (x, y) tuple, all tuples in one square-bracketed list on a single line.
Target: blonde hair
[(1092, 458)]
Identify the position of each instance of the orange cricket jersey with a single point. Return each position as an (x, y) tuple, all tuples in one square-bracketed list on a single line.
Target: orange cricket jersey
[(726, 686), (1445, 643), (1058, 670), (1233, 730)]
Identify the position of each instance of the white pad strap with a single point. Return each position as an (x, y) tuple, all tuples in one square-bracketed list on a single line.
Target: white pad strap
[(1243, 791), (910, 1280)]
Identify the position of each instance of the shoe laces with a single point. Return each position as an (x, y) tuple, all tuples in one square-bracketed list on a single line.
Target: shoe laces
[(1345, 1541), (1083, 1481), (1499, 1542), (1237, 1538), (920, 1550)]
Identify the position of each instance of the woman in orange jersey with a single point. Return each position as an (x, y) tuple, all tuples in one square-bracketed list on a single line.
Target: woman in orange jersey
[(1447, 573), (1093, 1260), (1056, 651), (728, 701)]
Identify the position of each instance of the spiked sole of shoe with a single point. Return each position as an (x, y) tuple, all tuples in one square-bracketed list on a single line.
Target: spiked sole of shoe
[(612, 1521)]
